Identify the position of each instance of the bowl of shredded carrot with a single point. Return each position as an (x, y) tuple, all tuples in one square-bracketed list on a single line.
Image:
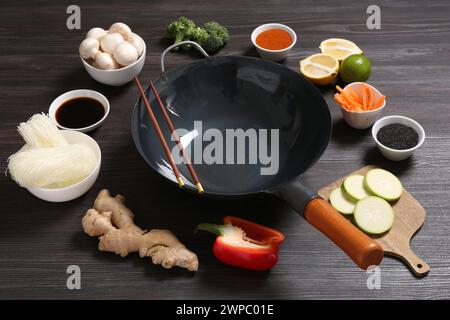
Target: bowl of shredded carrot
[(273, 41), (361, 104)]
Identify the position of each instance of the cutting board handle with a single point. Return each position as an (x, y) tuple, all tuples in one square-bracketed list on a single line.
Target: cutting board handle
[(363, 250), (403, 251)]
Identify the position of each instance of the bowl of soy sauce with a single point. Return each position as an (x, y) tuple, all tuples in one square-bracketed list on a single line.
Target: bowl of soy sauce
[(81, 110)]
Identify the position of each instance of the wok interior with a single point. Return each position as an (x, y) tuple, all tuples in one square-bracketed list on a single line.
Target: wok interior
[(230, 93)]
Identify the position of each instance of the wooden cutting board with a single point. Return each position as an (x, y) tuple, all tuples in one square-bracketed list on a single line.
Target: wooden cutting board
[(409, 218)]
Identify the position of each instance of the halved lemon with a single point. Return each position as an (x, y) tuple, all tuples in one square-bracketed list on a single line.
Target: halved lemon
[(320, 68), (339, 48)]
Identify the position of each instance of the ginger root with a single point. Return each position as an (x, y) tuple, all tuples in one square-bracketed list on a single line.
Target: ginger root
[(112, 222)]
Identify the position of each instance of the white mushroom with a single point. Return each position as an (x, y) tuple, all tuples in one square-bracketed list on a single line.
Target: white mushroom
[(89, 48), (96, 33), (121, 28), (125, 53), (110, 41), (137, 42), (105, 61), (94, 64)]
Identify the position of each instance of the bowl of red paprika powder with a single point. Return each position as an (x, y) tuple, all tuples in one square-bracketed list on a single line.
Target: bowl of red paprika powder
[(273, 41)]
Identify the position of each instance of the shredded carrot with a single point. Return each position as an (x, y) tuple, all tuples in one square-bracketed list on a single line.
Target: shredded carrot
[(353, 102), (338, 98), (369, 97), (357, 107), (348, 97), (379, 103), (345, 94), (353, 94), (341, 100), (346, 104), (356, 104), (364, 93)]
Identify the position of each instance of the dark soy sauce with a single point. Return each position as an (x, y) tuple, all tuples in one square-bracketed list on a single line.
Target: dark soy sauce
[(79, 113)]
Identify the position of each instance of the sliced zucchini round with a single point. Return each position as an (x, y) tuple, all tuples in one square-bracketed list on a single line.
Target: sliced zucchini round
[(340, 201), (354, 187), (374, 215), (383, 184)]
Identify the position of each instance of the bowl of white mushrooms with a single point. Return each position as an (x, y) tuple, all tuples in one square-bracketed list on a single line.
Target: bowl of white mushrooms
[(113, 56)]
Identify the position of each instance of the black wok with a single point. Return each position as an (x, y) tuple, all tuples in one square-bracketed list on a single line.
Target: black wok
[(229, 92)]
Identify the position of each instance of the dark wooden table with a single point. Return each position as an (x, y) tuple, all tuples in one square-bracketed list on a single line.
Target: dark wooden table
[(39, 240)]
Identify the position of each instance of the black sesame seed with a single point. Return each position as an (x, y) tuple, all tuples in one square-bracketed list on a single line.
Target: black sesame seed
[(398, 136)]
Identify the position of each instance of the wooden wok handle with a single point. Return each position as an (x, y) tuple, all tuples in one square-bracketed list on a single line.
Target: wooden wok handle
[(363, 250)]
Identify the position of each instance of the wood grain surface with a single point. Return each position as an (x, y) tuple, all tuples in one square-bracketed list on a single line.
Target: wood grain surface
[(39, 240)]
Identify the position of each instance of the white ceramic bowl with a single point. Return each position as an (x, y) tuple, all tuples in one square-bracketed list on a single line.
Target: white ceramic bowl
[(394, 154), (273, 55), (117, 77), (362, 119), (76, 190), (78, 94)]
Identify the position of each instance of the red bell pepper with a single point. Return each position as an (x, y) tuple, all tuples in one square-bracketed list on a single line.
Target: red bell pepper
[(245, 244)]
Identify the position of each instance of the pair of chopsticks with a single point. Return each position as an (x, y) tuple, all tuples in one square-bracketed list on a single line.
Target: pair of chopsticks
[(174, 135)]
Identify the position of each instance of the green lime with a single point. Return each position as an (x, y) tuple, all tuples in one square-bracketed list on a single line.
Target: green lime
[(355, 68)]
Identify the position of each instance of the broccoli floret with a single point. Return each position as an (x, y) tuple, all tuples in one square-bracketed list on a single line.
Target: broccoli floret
[(196, 34), (217, 37), (217, 29), (178, 29), (211, 44), (212, 36)]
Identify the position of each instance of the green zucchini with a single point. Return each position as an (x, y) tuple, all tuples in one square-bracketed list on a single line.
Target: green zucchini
[(374, 215), (383, 184), (354, 187), (341, 202)]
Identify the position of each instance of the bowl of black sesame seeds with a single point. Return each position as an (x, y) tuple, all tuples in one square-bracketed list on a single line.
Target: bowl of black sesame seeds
[(397, 137)]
